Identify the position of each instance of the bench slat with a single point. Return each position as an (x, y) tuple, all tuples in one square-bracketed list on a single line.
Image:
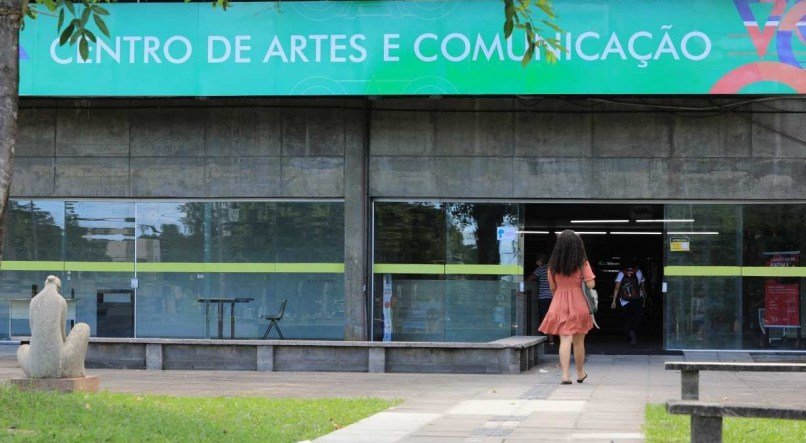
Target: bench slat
[(736, 367), (734, 410)]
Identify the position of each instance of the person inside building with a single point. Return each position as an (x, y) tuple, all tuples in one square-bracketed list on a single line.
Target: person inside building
[(569, 315), (540, 276), (629, 293)]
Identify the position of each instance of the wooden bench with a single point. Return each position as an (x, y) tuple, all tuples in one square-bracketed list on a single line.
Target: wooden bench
[(690, 372), (706, 418)]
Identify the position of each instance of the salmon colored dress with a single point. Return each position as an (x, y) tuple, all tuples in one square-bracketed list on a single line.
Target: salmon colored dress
[(568, 313)]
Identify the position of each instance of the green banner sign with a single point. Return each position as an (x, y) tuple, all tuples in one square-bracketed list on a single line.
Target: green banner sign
[(447, 47)]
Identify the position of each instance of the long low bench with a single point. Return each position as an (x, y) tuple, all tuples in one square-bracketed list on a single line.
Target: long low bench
[(706, 418), (506, 356), (690, 372)]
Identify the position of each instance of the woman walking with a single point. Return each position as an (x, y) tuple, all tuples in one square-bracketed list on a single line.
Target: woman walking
[(569, 315)]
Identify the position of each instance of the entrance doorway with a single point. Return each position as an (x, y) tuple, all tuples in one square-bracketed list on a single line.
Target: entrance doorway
[(614, 234)]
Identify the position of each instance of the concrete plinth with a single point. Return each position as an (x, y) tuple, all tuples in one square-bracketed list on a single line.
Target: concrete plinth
[(81, 384)]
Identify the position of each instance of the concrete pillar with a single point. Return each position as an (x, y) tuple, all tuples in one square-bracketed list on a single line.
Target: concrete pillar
[(154, 357), (690, 385), (265, 358), (706, 429), (377, 360), (356, 201)]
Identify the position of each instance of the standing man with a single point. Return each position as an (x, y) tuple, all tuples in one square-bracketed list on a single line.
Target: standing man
[(629, 291), (540, 275)]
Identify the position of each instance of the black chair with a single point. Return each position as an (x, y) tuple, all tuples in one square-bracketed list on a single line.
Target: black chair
[(273, 321)]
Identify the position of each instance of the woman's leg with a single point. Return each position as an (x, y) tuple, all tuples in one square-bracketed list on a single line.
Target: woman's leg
[(579, 355), (565, 355)]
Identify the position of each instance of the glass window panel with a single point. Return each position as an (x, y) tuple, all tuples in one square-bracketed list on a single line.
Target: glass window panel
[(171, 232), (714, 236), (89, 288), (315, 307), (416, 308), (411, 232), (34, 231), (479, 308), (703, 313), (16, 289), (243, 232), (99, 231), (472, 233), (310, 232), (773, 306), (168, 306)]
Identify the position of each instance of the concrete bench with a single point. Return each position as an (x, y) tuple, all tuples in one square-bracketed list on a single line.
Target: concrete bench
[(510, 355), (690, 372), (706, 418)]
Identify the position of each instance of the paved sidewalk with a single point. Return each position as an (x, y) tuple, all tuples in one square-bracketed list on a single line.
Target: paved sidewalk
[(609, 406)]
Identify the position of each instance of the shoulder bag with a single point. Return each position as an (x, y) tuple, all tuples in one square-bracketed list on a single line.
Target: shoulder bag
[(592, 297)]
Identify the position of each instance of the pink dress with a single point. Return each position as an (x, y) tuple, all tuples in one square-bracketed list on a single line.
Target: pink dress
[(568, 313)]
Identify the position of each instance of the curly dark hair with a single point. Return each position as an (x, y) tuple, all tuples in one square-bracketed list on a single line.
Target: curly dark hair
[(568, 255)]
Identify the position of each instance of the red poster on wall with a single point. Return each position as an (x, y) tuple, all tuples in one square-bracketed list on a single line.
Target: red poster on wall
[(781, 295)]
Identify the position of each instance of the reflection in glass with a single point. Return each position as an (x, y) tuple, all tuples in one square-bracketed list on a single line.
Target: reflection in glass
[(170, 232), (243, 232), (183, 251), (472, 233), (416, 308), (34, 230), (472, 297), (410, 233)]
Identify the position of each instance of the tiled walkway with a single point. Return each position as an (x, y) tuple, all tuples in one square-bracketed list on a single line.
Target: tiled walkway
[(609, 406)]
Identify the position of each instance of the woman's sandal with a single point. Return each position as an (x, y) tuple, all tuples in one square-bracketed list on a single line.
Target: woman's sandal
[(565, 382), (580, 380)]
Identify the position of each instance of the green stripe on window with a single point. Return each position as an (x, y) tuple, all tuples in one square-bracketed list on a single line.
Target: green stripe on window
[(483, 269), (734, 271), (47, 266), (772, 271), (313, 268), (702, 271), (453, 269), (92, 266), (162, 267), (392, 268)]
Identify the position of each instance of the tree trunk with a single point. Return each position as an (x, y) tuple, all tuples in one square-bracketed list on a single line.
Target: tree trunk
[(10, 16)]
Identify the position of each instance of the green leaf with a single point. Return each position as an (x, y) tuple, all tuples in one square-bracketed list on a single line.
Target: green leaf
[(545, 6), (508, 25), (551, 25), (85, 16), (527, 57), (68, 31), (101, 11), (90, 35), (76, 34), (61, 20), (84, 49), (70, 7), (50, 4), (99, 22)]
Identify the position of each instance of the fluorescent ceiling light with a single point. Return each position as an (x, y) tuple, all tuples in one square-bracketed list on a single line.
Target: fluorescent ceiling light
[(667, 220), (635, 233), (600, 221), (693, 233), (584, 233), (533, 232)]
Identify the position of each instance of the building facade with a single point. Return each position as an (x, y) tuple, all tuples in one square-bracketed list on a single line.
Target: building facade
[(412, 216)]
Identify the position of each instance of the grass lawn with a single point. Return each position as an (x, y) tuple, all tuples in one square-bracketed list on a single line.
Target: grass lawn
[(664, 427), (108, 416)]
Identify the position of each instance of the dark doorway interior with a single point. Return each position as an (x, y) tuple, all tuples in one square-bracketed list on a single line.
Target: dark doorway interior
[(612, 234)]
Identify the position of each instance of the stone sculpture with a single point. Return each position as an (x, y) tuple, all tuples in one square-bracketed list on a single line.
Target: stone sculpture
[(50, 354)]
